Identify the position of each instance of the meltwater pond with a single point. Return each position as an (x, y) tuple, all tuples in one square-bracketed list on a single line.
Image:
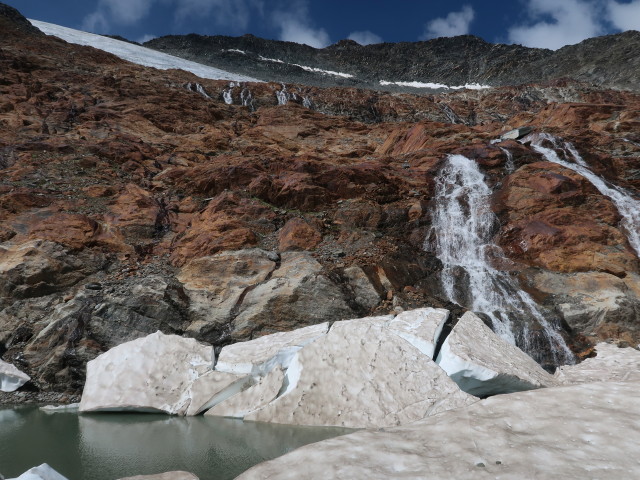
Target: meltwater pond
[(113, 445)]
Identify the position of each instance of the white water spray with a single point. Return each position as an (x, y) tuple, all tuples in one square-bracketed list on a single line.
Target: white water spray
[(628, 207), (226, 94), (462, 229), (282, 95)]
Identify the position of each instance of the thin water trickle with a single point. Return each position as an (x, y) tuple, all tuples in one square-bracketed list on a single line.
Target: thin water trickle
[(463, 226), (628, 207)]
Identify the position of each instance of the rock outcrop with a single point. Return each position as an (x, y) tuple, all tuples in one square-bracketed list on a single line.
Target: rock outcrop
[(130, 203), (561, 432), (483, 364)]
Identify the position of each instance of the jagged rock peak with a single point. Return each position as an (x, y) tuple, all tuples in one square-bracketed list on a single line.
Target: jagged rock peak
[(10, 18)]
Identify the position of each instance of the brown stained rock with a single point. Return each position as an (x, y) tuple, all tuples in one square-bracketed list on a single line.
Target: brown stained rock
[(223, 225), (557, 221), (135, 211), (73, 230), (297, 234)]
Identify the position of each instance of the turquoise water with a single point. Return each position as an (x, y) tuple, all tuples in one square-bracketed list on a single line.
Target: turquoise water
[(112, 445)]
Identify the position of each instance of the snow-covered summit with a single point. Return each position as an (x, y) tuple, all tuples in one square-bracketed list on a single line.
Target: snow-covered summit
[(138, 54)]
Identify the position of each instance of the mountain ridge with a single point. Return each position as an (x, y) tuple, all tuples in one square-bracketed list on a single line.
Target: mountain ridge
[(607, 61)]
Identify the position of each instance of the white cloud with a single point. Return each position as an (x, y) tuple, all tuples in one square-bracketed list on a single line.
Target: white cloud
[(365, 38), (571, 21), (624, 16), (295, 25), (456, 23), (95, 22), (234, 13)]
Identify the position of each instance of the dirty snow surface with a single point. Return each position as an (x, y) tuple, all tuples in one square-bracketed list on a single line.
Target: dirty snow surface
[(138, 54)]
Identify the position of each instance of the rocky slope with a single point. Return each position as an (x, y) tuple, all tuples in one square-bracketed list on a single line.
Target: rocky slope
[(134, 200), (608, 61)]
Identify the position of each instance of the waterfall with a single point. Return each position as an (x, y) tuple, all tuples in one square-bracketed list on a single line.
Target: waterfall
[(282, 95), (509, 165), (246, 98), (628, 207), (462, 229), (226, 94)]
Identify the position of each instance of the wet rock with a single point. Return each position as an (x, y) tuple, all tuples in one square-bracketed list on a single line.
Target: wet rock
[(148, 374), (364, 292), (11, 378), (611, 364), (529, 434), (483, 364), (218, 284), (296, 294), (590, 301)]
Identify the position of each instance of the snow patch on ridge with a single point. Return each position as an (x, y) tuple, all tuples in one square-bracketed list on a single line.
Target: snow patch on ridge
[(308, 69), (468, 86)]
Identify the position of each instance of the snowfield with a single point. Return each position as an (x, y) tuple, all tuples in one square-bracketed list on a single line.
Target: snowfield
[(137, 54), (469, 86)]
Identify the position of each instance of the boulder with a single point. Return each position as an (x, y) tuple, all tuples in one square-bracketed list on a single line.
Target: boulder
[(589, 300), (516, 133), (364, 293), (361, 374), (483, 364), (611, 364), (42, 472), (176, 475), (563, 432), (154, 373), (216, 284), (11, 378), (296, 294)]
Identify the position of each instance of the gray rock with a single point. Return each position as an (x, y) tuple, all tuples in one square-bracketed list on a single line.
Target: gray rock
[(364, 293), (297, 294), (587, 300)]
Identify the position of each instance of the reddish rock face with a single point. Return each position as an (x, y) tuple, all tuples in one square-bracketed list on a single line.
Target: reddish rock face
[(298, 235), (112, 161)]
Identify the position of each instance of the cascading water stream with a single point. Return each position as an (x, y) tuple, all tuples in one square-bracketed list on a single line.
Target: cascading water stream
[(628, 207), (462, 229)]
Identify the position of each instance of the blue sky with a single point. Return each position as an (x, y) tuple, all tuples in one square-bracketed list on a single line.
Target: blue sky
[(535, 23)]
